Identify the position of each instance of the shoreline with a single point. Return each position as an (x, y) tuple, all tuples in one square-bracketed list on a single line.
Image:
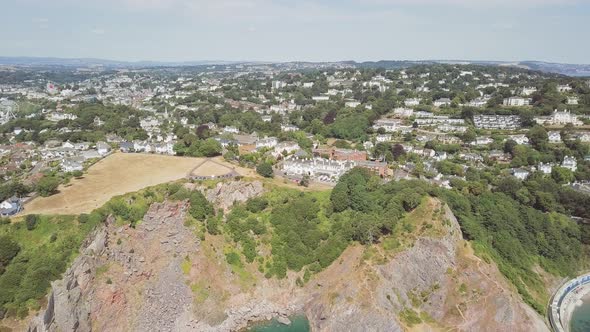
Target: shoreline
[(571, 302)]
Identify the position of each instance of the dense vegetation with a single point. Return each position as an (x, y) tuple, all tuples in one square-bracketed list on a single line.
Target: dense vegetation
[(519, 238), (288, 230), (309, 230), (38, 249), (32, 254)]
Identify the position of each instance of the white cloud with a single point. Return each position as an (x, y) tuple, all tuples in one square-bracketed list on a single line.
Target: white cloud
[(98, 31)]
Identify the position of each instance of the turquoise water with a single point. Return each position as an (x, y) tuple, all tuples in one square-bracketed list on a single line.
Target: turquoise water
[(581, 318), (298, 324)]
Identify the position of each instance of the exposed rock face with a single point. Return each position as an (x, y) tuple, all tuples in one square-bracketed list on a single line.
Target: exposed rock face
[(158, 277), (224, 194), (354, 296), (112, 285), (67, 309)]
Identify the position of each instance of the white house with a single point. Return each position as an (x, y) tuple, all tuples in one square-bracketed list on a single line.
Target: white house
[(288, 128), (403, 112), (545, 168), (519, 139), (554, 137), (10, 207), (389, 125), (320, 98), (412, 102), (527, 91), (570, 163), (442, 102), (482, 140), (267, 142), (103, 148), (231, 130), (82, 146), (352, 103), (440, 156), (288, 147), (69, 165), (517, 101), (520, 173), (383, 138)]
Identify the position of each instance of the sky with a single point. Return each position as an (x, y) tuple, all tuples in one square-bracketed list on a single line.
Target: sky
[(302, 30)]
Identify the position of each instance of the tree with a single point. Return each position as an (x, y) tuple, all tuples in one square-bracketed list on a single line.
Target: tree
[(339, 197), (77, 174), (8, 250), (509, 146), (539, 138), (304, 181), (265, 169), (469, 135), (562, 175), (47, 186), (31, 221), (398, 151), (411, 201), (210, 148)]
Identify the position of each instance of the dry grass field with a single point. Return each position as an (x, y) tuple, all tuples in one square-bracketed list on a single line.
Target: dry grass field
[(115, 175)]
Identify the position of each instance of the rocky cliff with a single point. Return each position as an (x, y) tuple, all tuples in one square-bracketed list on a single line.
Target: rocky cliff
[(161, 277)]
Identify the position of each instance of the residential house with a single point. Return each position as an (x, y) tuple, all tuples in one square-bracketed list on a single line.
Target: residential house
[(527, 91), (570, 163), (103, 148), (545, 168), (320, 98), (554, 137), (267, 142), (10, 207), (389, 125), (482, 140), (504, 122), (517, 101), (520, 173), (288, 128), (442, 102), (559, 118), (71, 165), (285, 147), (409, 102), (126, 147), (403, 112), (383, 138), (519, 139), (351, 103)]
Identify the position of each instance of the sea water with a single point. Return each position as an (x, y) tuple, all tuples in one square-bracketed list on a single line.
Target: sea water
[(580, 321), (298, 324)]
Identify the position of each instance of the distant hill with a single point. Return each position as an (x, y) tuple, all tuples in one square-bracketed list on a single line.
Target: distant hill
[(548, 67), (88, 62)]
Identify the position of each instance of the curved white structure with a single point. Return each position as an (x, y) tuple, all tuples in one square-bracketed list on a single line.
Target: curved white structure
[(564, 301)]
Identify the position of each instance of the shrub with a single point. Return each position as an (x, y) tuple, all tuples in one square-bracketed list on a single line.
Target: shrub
[(265, 169), (31, 221)]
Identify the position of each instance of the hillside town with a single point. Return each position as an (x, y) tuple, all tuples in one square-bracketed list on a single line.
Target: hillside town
[(442, 123)]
